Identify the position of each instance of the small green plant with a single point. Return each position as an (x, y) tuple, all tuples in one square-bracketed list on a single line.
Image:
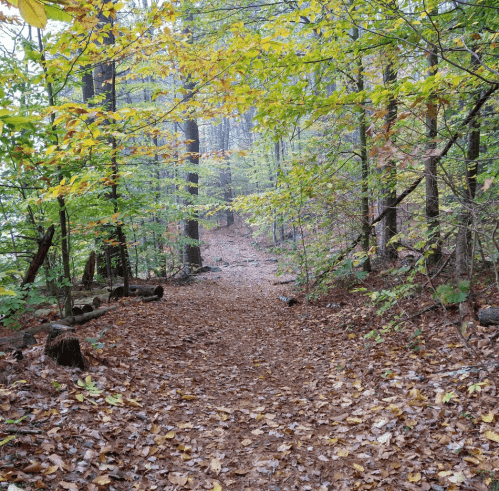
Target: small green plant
[(14, 421), (57, 385), (449, 396), (449, 295), (387, 373), (95, 342), (376, 335)]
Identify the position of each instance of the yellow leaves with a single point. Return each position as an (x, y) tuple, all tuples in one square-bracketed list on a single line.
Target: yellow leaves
[(342, 452), (358, 467), (395, 410), (488, 418), (216, 487), (472, 460), (33, 13), (102, 480), (491, 436), (415, 477), (188, 397), (354, 421)]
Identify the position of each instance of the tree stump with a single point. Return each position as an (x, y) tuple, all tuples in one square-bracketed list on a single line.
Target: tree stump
[(64, 348), (88, 274), (489, 317)]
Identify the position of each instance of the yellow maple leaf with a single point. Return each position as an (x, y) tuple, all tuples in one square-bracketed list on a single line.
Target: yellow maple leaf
[(216, 487), (358, 467)]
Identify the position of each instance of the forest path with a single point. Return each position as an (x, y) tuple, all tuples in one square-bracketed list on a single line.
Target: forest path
[(225, 387)]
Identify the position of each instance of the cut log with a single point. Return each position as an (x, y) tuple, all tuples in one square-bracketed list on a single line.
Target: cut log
[(88, 273), (154, 298), (90, 293), (288, 300), (81, 319), (84, 307), (489, 317), (76, 310), (138, 291), (65, 350)]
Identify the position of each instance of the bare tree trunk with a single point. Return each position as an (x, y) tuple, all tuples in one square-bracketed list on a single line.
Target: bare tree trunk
[(463, 240), (389, 172), (364, 162), (192, 252), (225, 171), (431, 162)]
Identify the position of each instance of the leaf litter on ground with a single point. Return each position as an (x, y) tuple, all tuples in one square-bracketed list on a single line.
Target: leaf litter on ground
[(222, 386)]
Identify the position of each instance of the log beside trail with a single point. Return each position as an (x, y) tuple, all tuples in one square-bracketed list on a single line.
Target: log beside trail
[(138, 291), (84, 308), (489, 317), (290, 301)]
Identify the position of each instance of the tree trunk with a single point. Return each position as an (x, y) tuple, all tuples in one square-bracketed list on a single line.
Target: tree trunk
[(389, 171), (105, 84), (88, 273), (225, 171), (432, 198), (192, 253), (43, 247), (463, 240), (364, 162)]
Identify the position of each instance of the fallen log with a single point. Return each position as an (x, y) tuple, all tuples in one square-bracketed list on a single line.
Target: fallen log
[(84, 307), (290, 301), (138, 291), (89, 293), (489, 317), (153, 298), (81, 319), (76, 310)]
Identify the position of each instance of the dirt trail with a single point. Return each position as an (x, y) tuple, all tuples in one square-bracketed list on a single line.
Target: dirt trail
[(220, 385)]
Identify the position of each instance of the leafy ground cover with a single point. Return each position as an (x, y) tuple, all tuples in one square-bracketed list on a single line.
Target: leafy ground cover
[(221, 385)]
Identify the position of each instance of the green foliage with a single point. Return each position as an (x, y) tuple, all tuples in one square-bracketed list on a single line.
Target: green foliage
[(95, 342), (448, 295)]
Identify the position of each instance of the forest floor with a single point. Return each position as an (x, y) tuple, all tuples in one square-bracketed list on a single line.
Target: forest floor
[(221, 385)]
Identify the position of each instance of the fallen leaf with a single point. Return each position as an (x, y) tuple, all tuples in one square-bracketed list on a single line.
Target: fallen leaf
[(216, 466), (68, 485), (416, 477), (491, 436), (102, 480), (177, 478), (488, 418), (246, 442)]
